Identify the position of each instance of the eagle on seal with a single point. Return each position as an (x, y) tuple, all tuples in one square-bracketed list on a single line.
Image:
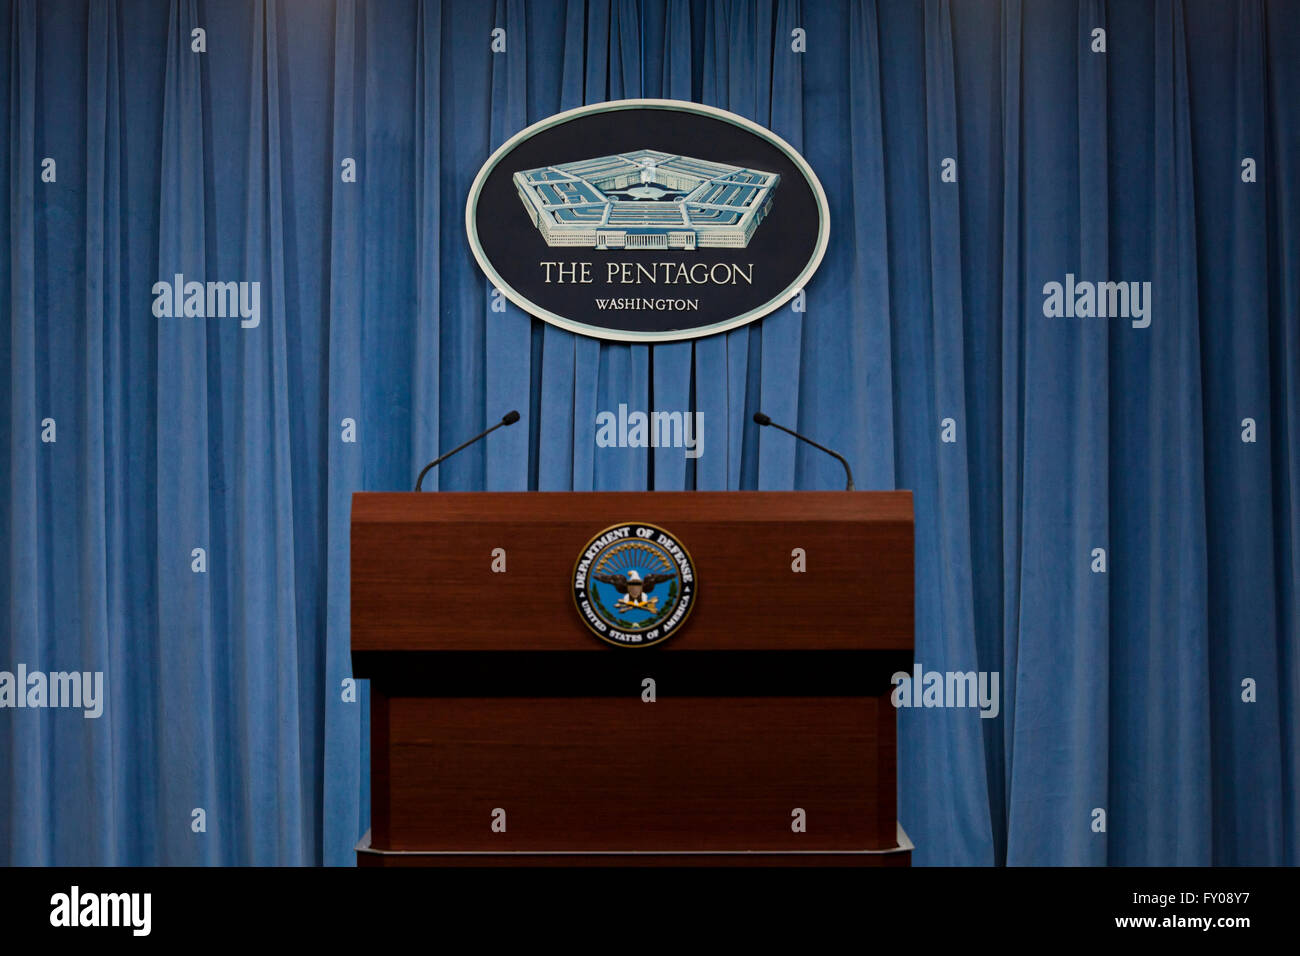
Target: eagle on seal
[(632, 584)]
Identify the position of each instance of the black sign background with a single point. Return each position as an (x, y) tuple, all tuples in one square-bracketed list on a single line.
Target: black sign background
[(780, 249)]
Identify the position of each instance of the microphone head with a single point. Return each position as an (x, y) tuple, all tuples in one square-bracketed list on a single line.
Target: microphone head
[(510, 417), (762, 419)]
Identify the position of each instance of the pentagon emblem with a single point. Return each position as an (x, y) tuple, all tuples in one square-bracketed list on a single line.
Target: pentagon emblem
[(634, 585), (647, 220), (646, 199)]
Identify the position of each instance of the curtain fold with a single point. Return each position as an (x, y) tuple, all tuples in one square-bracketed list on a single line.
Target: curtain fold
[(1283, 150), (1161, 792), (27, 790), (945, 630), (102, 820), (1062, 591), (1012, 296), (346, 745), (508, 354), (780, 337), (1246, 755), (186, 559), (1106, 507)]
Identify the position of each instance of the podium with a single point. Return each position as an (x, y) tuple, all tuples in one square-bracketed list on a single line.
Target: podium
[(505, 728)]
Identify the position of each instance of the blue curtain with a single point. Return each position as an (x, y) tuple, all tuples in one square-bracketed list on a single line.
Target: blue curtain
[(971, 151)]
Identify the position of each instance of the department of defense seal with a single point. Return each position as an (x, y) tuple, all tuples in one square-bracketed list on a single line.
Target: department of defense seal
[(634, 585)]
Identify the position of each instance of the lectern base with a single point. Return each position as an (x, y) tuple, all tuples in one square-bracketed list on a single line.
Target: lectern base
[(898, 855), (504, 732)]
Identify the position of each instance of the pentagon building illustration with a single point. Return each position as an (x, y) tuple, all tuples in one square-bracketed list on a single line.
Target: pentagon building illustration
[(646, 199)]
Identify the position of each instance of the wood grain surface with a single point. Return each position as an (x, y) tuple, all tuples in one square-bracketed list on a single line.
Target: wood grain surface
[(619, 774), (422, 577), (487, 690)]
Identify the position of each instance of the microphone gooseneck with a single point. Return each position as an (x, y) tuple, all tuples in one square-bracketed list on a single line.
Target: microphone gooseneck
[(509, 418), (764, 420)]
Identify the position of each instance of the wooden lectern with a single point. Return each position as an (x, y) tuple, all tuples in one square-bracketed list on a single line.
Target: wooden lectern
[(503, 730)]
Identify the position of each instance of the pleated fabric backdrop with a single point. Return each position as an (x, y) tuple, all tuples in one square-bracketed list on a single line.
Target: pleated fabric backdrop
[(1160, 693)]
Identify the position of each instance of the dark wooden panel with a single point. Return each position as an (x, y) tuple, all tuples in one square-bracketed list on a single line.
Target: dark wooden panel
[(609, 773), (783, 860), (579, 674), (381, 790), (885, 757), (422, 580)]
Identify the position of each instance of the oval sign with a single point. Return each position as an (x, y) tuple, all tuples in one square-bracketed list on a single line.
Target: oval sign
[(647, 220)]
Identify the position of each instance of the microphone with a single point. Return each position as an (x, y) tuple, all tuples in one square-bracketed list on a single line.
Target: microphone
[(762, 419), (509, 418)]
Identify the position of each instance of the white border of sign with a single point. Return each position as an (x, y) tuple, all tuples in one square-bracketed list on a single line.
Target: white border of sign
[(780, 299)]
